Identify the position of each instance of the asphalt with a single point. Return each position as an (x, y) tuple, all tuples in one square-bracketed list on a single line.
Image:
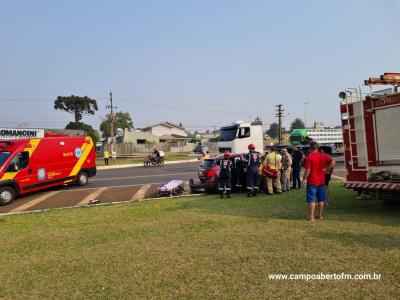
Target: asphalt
[(143, 175), (114, 185)]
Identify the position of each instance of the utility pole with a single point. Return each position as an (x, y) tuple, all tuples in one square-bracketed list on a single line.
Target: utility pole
[(279, 114), (305, 113), (111, 118)]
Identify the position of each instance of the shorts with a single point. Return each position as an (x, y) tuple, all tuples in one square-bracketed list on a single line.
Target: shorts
[(327, 179), (316, 192)]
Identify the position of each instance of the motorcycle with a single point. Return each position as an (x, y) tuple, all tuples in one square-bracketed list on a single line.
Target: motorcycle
[(152, 161)]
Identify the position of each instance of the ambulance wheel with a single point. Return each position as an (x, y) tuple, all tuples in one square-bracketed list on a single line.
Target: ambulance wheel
[(7, 195), (83, 179)]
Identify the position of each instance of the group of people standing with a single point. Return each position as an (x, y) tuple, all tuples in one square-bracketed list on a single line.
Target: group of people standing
[(106, 156), (285, 169), (281, 172)]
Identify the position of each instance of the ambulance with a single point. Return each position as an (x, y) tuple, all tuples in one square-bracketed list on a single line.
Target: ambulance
[(29, 165)]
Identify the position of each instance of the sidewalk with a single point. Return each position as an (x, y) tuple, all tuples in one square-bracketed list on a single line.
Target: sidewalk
[(141, 164)]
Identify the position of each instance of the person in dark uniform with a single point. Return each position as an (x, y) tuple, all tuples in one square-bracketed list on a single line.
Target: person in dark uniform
[(225, 176), (253, 176), (238, 173)]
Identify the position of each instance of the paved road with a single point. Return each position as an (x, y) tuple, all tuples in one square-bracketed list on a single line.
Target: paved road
[(142, 175), (112, 185)]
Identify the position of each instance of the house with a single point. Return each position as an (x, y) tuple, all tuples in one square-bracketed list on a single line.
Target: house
[(167, 129), (139, 137)]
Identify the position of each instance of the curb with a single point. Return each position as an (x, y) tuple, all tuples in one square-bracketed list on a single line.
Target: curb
[(141, 165), (94, 205)]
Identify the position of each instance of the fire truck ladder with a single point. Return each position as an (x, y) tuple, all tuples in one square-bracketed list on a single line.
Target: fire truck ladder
[(354, 95)]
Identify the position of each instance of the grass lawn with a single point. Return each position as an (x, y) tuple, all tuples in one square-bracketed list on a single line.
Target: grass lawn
[(126, 161), (202, 247)]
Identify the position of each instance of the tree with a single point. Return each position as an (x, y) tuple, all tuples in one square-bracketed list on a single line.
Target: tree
[(273, 130), (76, 105), (123, 121), (90, 131), (297, 124)]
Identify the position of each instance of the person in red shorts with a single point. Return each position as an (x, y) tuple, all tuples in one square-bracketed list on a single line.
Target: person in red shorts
[(314, 173)]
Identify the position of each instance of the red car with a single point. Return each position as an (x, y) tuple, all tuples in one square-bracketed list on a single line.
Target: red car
[(208, 173)]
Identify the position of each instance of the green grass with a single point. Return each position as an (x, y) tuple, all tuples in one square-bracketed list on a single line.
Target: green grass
[(201, 247), (126, 161)]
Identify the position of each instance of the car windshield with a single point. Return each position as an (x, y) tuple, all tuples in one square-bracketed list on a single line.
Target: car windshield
[(208, 163), (3, 157), (228, 134)]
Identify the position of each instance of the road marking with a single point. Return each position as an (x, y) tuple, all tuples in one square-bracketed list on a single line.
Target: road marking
[(338, 177), (33, 202), (91, 196), (143, 176), (141, 192)]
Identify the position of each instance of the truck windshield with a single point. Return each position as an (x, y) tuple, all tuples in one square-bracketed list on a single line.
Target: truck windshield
[(228, 134), (296, 138), (3, 157)]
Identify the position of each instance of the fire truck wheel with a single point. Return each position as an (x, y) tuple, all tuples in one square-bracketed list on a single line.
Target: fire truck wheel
[(389, 197), (7, 195), (83, 179)]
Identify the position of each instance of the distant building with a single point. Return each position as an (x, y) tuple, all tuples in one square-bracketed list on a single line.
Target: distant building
[(319, 125), (139, 137), (326, 135), (167, 129)]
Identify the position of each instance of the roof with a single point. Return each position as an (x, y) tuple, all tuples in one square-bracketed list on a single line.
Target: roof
[(173, 137), (167, 124)]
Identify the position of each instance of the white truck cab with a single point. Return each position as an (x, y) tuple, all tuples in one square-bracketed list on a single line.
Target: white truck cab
[(236, 137)]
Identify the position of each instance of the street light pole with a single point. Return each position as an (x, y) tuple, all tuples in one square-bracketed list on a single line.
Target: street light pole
[(305, 113)]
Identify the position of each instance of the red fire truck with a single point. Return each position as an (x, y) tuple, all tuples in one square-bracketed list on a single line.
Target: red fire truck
[(371, 135), (28, 165)]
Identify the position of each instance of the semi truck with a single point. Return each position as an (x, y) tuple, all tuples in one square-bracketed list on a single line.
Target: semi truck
[(236, 137), (371, 123)]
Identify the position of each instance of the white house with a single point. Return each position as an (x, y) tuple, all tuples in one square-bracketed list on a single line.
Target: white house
[(167, 129), (139, 137)]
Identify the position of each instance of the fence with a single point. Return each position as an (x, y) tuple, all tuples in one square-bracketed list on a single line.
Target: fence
[(175, 147)]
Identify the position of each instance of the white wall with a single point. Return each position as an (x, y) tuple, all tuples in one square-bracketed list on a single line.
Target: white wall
[(160, 130)]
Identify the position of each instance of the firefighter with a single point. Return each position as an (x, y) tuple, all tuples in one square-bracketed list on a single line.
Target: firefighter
[(225, 176), (253, 176)]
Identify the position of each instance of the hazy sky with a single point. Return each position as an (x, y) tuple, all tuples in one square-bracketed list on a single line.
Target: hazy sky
[(202, 63)]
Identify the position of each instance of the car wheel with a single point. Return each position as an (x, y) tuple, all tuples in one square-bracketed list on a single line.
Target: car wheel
[(7, 195), (83, 179)]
